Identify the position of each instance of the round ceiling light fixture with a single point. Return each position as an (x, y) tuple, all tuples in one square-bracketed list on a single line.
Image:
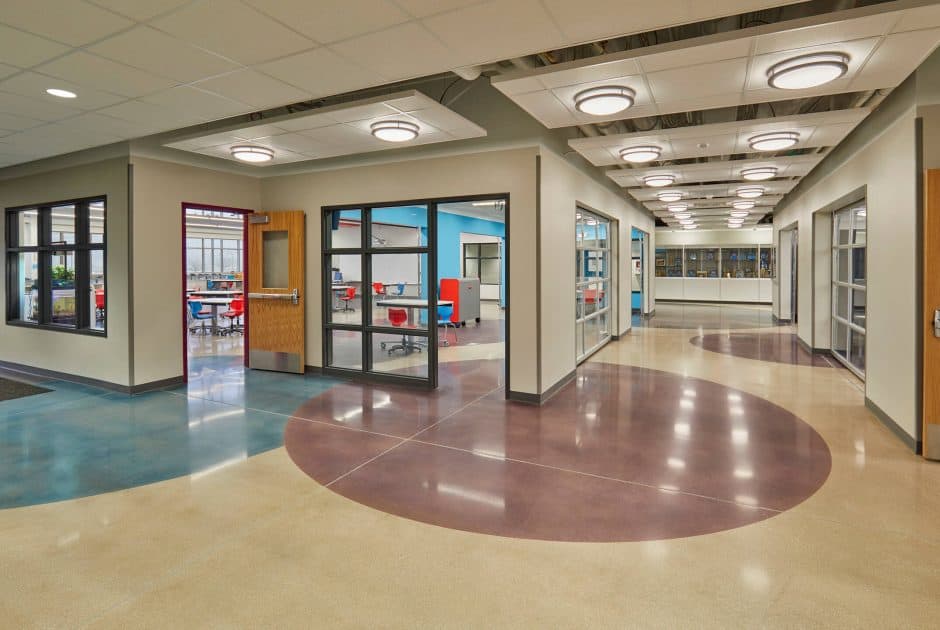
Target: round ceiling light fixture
[(683, 215), (749, 192), (394, 130), (605, 100), (759, 173), (252, 153), (689, 227), (739, 214), (677, 207), (658, 181), (61, 93), (669, 195), (774, 140), (807, 71), (742, 205), (737, 220), (640, 154), (686, 222), (734, 226)]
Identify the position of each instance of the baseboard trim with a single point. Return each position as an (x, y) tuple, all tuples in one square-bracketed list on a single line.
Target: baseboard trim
[(155, 385), (912, 443), (313, 369), (544, 397), (708, 302), (778, 320), (810, 348)]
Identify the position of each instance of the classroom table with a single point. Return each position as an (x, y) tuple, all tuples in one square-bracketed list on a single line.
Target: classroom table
[(216, 293), (214, 304), (411, 304)]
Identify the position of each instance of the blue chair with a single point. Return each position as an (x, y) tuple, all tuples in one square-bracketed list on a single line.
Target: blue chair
[(400, 287), (444, 313), (197, 314)]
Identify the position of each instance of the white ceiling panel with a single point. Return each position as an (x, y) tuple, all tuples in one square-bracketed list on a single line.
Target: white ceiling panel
[(103, 74), (234, 30), (6, 70), (140, 9), (73, 23), (339, 129), (401, 52), (25, 50), (158, 53), (148, 114), (35, 108), (201, 105), (424, 8), (706, 191), (823, 129), (254, 88), (716, 171), (11, 122), (729, 69), (321, 72), (711, 204), (327, 21), (33, 85)]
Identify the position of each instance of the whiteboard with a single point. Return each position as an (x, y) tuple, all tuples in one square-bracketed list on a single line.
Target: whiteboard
[(387, 268)]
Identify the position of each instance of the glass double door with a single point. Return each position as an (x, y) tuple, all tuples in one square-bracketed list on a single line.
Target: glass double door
[(379, 300), (849, 286), (592, 283)]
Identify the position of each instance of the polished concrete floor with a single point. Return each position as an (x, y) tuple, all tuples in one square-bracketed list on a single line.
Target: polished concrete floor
[(668, 486)]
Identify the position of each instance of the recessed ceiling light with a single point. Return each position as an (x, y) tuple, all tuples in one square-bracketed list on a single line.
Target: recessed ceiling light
[(677, 207), (252, 153), (605, 100), (686, 221), (759, 173), (689, 227), (742, 205), (739, 214), (734, 226), (669, 195), (638, 155), (683, 215), (774, 140), (806, 71), (61, 93), (659, 180), (749, 192), (736, 220), (394, 130)]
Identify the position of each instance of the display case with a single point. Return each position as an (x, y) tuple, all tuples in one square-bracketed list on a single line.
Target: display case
[(702, 262), (668, 262), (768, 261), (738, 262)]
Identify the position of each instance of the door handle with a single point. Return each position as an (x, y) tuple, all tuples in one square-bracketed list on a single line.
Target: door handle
[(293, 296), (936, 324)]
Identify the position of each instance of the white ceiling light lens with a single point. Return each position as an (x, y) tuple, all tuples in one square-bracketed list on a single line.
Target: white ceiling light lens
[(742, 205), (659, 180), (690, 227), (759, 173), (252, 153), (774, 141), (686, 222), (807, 71), (739, 214), (61, 93), (669, 195), (734, 226), (604, 101), (677, 207), (683, 215), (395, 130), (638, 155), (749, 192)]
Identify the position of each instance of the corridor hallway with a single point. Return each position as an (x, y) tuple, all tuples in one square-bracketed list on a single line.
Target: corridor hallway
[(668, 486)]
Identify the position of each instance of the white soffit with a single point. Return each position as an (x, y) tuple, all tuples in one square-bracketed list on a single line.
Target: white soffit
[(714, 203), (778, 187), (337, 130), (128, 59), (824, 129), (730, 69), (730, 170)]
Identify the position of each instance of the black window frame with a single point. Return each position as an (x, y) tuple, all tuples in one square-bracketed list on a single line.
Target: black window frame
[(81, 249), (480, 258)]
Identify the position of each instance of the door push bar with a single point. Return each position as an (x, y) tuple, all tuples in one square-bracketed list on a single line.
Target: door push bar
[(292, 296)]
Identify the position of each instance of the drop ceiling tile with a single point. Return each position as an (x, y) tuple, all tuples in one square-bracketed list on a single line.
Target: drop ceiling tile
[(33, 85), (684, 57), (12, 122), (832, 32), (297, 143), (508, 28), (714, 145), (233, 30), (321, 72), (103, 74), (227, 138), (6, 70), (424, 8), (35, 108), (98, 123), (151, 115), (327, 21), (337, 135), (881, 70), (198, 103), (443, 119), (401, 52), (140, 10), (149, 49), (694, 82), (73, 23), (370, 111), (566, 96), (259, 131), (919, 18), (858, 51), (256, 89), (25, 50), (310, 121), (597, 74)]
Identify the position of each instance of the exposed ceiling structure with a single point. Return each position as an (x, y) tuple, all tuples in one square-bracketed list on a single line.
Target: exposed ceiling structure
[(140, 67), (698, 110), (341, 129)]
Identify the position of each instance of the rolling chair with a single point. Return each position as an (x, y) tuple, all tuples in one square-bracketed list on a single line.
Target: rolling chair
[(196, 314), (398, 317), (235, 311), (400, 287), (349, 297), (444, 313)]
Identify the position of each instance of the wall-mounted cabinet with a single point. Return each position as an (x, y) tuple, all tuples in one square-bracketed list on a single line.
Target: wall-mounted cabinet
[(715, 274)]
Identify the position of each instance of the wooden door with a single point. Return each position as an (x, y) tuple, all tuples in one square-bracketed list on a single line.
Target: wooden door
[(276, 287), (931, 366)]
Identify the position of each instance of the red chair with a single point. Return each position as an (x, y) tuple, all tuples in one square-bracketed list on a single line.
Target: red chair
[(235, 311), (398, 317), (99, 304), (349, 297), (379, 288)]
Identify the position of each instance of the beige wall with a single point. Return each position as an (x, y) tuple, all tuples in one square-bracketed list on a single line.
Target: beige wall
[(160, 189), (510, 171), (742, 236), (886, 168), (105, 359), (563, 189)]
